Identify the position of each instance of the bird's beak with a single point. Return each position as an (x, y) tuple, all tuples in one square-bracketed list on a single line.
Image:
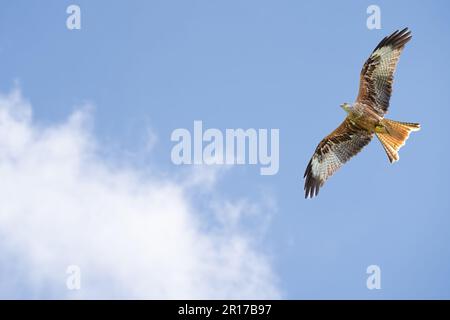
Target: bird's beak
[(345, 106)]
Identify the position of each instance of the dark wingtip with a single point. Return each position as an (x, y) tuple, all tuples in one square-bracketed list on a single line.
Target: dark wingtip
[(397, 39), (312, 184)]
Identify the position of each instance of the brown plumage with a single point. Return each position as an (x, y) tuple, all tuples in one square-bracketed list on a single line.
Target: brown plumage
[(365, 117), (377, 74)]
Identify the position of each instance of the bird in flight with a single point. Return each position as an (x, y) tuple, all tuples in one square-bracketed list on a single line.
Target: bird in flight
[(365, 117)]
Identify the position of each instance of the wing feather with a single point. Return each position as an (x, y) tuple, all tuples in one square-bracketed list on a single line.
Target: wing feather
[(331, 153), (377, 74)]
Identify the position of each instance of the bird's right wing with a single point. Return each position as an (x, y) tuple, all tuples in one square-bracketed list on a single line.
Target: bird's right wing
[(331, 153)]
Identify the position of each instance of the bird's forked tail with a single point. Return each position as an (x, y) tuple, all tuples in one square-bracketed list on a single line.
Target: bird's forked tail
[(393, 135)]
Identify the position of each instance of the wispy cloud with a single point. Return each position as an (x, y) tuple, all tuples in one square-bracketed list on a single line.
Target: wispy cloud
[(133, 235)]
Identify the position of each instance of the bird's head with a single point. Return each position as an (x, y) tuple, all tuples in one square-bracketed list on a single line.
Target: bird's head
[(346, 106)]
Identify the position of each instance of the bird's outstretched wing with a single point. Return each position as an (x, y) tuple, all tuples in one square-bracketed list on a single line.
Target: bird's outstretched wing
[(377, 74), (331, 153)]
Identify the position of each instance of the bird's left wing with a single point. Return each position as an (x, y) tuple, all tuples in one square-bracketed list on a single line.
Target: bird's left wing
[(331, 153), (377, 74)]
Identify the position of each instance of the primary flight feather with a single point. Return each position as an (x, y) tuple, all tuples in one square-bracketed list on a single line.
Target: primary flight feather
[(365, 117)]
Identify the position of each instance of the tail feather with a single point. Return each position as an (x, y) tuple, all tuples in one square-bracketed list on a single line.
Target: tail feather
[(393, 135)]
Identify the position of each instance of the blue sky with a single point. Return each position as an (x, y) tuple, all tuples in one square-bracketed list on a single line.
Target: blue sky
[(155, 66)]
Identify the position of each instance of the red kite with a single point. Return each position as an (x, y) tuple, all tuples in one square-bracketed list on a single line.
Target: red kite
[(364, 118)]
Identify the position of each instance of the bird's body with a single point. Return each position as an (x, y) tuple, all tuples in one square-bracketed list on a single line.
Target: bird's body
[(365, 118)]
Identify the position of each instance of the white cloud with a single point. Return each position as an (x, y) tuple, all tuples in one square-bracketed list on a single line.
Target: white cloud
[(133, 234)]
